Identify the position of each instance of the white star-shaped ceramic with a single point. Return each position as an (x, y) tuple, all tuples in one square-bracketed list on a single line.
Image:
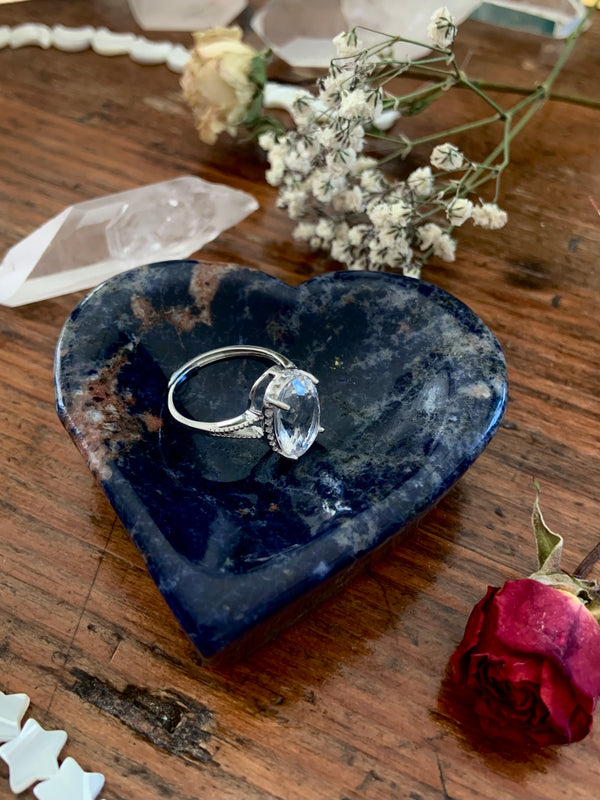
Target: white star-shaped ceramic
[(12, 708), (32, 756), (70, 783)]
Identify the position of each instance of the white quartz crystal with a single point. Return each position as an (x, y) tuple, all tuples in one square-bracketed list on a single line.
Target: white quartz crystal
[(184, 15), (300, 31), (94, 240)]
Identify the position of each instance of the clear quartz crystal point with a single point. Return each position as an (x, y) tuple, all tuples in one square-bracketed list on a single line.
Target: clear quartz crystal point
[(184, 15), (89, 242), (300, 31)]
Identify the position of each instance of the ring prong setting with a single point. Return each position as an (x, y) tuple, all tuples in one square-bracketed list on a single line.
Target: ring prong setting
[(279, 404), (283, 403)]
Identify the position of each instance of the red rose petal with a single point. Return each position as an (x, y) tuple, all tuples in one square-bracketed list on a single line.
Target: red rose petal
[(458, 664), (535, 618), (558, 697)]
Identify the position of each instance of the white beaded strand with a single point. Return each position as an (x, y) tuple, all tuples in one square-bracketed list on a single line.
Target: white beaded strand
[(101, 40)]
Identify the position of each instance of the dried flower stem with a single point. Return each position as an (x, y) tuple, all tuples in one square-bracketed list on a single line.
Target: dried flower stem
[(503, 88), (586, 566), (342, 201), (513, 123)]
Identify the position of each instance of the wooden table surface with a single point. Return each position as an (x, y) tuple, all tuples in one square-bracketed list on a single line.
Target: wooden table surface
[(349, 702)]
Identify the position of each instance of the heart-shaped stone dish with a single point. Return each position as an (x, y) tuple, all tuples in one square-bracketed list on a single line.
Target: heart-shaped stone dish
[(412, 387)]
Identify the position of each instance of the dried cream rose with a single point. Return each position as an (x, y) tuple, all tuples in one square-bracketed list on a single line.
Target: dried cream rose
[(216, 81)]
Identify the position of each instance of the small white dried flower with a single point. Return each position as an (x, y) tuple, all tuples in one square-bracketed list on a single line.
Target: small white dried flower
[(378, 254), (324, 185), (489, 216), (401, 254), (356, 138), (350, 200), (304, 231), (420, 182), (402, 248), (266, 140), (387, 236), (357, 235), (441, 30), (302, 108), (297, 161), (375, 100), (447, 157), (341, 231), (459, 210), (445, 247), (326, 136), (379, 213), (340, 162), (325, 229), (294, 200), (429, 235), (347, 44), (363, 163), (400, 213), (274, 175), (395, 240), (371, 180), (354, 105), (340, 251), (308, 147), (330, 88), (412, 270)]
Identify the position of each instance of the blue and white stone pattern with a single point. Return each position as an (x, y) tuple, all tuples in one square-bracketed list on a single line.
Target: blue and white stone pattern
[(412, 386)]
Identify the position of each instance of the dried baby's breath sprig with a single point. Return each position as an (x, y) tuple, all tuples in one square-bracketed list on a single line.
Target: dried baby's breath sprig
[(340, 197)]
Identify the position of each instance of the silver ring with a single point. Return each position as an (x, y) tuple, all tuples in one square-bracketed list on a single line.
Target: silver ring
[(283, 403)]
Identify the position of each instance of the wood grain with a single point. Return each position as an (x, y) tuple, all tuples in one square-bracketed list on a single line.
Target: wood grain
[(351, 701)]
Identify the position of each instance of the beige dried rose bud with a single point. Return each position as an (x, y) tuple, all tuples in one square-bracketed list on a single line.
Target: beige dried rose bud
[(216, 82)]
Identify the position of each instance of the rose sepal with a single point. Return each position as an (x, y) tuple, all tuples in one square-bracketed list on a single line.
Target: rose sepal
[(549, 555)]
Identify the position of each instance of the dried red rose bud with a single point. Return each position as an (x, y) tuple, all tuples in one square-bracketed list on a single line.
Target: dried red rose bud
[(530, 656)]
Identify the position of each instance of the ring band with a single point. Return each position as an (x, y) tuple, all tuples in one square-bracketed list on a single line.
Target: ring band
[(283, 403)]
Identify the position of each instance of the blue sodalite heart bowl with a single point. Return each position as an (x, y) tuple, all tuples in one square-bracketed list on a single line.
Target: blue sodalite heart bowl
[(238, 539)]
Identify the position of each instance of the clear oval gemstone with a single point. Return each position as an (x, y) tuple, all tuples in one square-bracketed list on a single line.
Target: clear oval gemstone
[(297, 428)]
